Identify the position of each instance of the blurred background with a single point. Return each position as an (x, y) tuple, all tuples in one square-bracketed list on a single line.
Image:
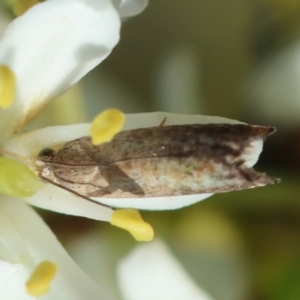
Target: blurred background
[(238, 59)]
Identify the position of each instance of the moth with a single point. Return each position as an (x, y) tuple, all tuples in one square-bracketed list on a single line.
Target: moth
[(161, 161)]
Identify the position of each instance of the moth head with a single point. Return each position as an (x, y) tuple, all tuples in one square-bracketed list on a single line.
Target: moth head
[(46, 154)]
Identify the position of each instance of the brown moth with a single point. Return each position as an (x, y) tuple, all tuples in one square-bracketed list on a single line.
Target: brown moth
[(162, 161)]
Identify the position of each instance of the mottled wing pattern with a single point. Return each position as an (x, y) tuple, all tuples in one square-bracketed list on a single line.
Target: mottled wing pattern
[(162, 161)]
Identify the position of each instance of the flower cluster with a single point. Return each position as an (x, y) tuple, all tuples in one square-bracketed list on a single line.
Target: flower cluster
[(42, 54)]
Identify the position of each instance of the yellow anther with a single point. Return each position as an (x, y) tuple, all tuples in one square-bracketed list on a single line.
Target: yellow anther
[(16, 179), (7, 86), (41, 278), (131, 220), (106, 125)]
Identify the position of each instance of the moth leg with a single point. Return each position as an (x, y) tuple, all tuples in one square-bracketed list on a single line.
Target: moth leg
[(73, 192), (163, 122)]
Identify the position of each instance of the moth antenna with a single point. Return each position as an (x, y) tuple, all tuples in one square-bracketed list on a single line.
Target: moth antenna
[(163, 122), (53, 162), (73, 192)]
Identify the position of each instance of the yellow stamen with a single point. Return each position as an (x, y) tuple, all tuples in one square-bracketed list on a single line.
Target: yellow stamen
[(106, 125), (41, 278), (7, 86), (20, 6), (131, 220), (16, 179)]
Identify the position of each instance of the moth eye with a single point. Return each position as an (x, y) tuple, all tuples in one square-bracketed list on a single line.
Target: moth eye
[(46, 152)]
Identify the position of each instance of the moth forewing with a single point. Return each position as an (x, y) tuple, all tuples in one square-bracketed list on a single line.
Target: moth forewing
[(160, 167)]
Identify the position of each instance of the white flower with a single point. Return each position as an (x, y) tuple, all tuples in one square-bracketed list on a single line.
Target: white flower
[(25, 241), (48, 49)]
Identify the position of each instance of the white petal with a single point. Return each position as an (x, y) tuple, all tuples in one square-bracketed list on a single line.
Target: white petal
[(51, 47), (155, 203), (12, 281), (59, 200), (26, 240), (130, 8), (150, 272)]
